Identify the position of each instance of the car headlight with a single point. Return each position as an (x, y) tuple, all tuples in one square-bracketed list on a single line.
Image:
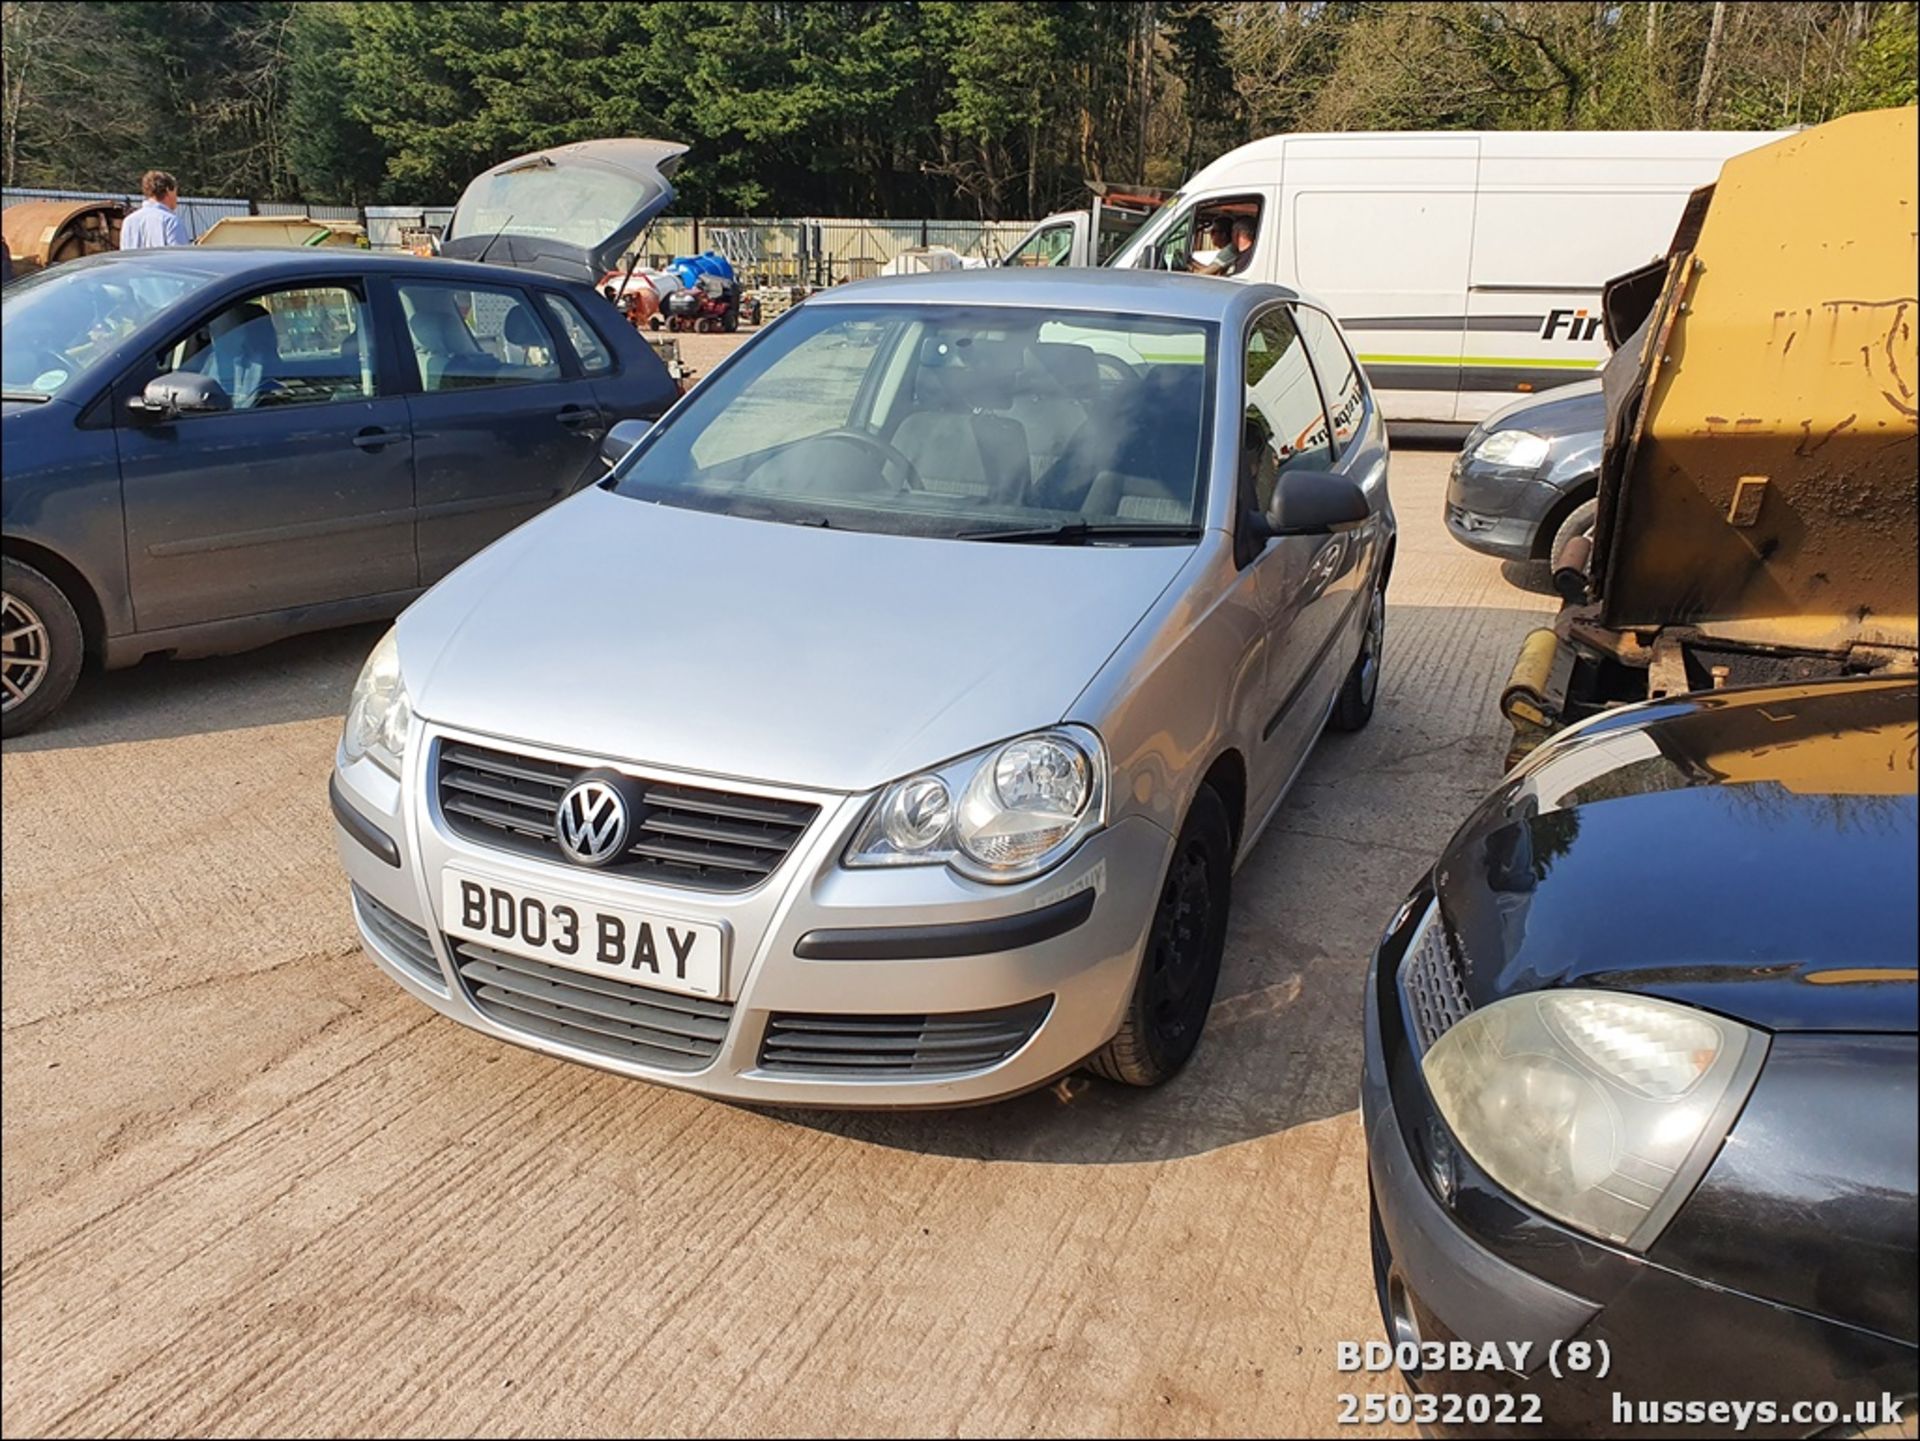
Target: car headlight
[(1601, 1109), (1521, 449), (379, 714), (1003, 814)]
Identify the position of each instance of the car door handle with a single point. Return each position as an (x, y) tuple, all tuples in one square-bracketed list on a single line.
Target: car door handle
[(574, 415), (374, 438)]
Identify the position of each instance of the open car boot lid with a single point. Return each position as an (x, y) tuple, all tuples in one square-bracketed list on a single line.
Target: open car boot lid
[(572, 212)]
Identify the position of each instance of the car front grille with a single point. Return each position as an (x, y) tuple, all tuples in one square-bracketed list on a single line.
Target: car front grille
[(610, 1018), (796, 1044), (708, 840), (1431, 982), (398, 938)]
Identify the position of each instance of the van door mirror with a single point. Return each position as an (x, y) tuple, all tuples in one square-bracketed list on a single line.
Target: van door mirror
[(1316, 502), (621, 439), (168, 397)]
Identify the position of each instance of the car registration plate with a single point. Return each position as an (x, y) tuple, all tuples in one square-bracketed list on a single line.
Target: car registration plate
[(640, 947)]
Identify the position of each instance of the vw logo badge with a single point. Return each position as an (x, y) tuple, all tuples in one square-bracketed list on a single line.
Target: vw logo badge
[(592, 822)]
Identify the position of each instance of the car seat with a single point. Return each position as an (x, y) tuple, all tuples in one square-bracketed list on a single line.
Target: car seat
[(447, 353), (955, 443), (1057, 391), (243, 353)]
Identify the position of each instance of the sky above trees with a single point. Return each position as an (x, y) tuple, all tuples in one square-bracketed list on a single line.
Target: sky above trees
[(920, 108)]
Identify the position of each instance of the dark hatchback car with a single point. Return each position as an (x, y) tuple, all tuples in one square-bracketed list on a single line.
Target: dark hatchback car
[(1620, 1117), (1526, 476), (208, 449)]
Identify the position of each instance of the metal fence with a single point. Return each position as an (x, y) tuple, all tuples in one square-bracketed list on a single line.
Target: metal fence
[(786, 251), (199, 215), (809, 251)]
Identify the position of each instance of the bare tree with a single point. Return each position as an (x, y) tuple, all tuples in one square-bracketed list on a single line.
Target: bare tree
[(1703, 99), (58, 61)]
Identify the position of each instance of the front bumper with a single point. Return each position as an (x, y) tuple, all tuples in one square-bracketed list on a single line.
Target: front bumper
[(1456, 1259), (1498, 511), (812, 941)]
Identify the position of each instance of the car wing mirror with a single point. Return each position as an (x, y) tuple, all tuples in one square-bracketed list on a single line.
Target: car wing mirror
[(168, 397), (621, 439), (1316, 502)]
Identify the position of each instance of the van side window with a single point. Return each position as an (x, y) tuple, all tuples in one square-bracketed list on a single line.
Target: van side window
[(1339, 376), (1285, 425)]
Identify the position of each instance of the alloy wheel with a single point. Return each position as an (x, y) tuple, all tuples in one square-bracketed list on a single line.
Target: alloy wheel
[(23, 650), (1371, 647)]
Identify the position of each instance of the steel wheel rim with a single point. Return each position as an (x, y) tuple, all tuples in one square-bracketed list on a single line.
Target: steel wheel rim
[(1371, 647), (1182, 927), (23, 651)]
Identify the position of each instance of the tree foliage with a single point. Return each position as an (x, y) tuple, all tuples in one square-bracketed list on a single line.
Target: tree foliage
[(924, 107)]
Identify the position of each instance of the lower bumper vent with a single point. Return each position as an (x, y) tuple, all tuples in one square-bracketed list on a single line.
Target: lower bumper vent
[(610, 1018), (398, 938), (950, 1044)]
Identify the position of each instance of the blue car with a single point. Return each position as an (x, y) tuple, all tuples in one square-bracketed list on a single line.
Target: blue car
[(209, 449)]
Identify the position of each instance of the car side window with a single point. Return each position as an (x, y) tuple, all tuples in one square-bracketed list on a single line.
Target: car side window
[(299, 346), (1285, 424), (468, 336), (1339, 376), (588, 348)]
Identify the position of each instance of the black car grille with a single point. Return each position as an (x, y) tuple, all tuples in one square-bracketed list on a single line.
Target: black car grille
[(707, 840), (898, 1045), (628, 1023), (399, 938), (1432, 984)]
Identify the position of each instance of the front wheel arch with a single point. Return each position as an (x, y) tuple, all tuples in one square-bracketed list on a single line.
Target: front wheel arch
[(79, 592)]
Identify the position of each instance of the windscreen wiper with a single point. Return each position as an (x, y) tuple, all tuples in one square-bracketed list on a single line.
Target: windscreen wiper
[(1079, 532), (31, 395)]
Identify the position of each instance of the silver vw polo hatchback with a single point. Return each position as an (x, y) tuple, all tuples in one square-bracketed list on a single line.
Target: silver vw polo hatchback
[(886, 725)]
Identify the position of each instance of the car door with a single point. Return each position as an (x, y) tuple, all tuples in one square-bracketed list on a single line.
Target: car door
[(503, 421), (1285, 430), (300, 493)]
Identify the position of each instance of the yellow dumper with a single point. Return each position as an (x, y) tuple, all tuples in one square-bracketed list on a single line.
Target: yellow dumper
[(283, 230), (1757, 493)]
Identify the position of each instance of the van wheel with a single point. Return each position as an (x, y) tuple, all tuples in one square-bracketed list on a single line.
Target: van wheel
[(1181, 963), (1354, 708), (40, 647)]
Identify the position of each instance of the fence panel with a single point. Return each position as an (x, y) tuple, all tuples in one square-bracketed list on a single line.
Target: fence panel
[(199, 215), (777, 251)]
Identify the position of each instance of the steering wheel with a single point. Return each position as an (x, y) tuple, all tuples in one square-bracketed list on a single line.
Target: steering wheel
[(1119, 374), (886, 452)]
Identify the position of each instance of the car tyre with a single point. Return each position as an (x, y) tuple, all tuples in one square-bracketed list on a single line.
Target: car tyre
[(1578, 522), (41, 647), (1180, 966), (1354, 707)]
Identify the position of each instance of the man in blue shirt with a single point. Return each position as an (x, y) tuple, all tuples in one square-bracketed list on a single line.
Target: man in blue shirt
[(155, 223)]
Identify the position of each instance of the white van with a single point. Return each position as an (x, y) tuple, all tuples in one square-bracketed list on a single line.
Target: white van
[(1465, 266)]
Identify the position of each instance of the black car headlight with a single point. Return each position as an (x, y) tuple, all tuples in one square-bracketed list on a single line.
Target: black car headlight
[(1598, 1108)]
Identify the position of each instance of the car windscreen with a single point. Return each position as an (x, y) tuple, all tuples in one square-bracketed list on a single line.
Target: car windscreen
[(949, 420), (55, 325)]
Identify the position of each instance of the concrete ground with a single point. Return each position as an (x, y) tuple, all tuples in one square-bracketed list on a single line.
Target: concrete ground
[(251, 1187)]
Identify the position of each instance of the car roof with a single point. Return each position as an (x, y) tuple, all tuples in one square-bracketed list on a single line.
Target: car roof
[(223, 262), (1137, 292)]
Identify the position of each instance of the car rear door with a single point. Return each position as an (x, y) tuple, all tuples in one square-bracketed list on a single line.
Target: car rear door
[(504, 422), (299, 495)]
